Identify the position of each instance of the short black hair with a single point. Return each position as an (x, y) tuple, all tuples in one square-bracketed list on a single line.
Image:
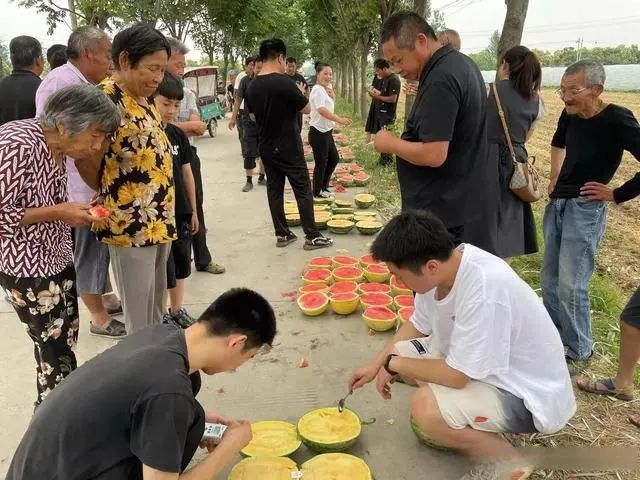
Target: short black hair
[(171, 87), (320, 66), (242, 311), (271, 48), (292, 60), (57, 55), (138, 41), (404, 27), (413, 238), (381, 63), (249, 60), (24, 52)]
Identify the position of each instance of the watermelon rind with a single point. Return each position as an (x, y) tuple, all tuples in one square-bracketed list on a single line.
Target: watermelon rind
[(323, 446), (367, 226), (272, 438), (337, 261), (427, 440), (379, 325), (293, 219), (347, 466), (397, 290), (361, 182), (376, 277), (388, 300), (344, 307), (313, 312), (340, 226), (364, 200), (338, 272), (316, 287)]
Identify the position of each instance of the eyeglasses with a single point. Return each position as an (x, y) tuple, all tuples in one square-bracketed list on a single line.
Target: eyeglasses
[(570, 93)]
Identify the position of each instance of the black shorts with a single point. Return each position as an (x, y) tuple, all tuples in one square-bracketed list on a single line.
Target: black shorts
[(179, 262), (631, 313)]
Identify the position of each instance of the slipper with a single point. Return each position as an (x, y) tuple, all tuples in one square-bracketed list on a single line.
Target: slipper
[(595, 386)]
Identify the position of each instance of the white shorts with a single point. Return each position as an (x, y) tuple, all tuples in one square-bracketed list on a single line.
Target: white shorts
[(478, 405)]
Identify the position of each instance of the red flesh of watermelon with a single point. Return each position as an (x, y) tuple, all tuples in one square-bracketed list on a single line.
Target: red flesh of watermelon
[(406, 313), (343, 287), (404, 300), (344, 296), (377, 269), (320, 262), (347, 272), (395, 281), (318, 274), (99, 212), (313, 288), (375, 288), (376, 299), (379, 313), (344, 260), (346, 177), (362, 176), (312, 300)]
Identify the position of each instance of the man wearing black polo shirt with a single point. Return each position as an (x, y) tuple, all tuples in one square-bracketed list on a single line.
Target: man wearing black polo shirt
[(18, 90), (442, 154), (131, 413), (292, 71), (586, 151), (275, 101)]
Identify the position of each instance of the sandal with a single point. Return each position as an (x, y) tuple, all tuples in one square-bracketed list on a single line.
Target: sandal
[(288, 239), (593, 385), (317, 242), (115, 329)]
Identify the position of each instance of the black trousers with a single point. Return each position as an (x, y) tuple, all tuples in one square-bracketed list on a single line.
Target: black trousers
[(325, 155), (240, 126), (201, 254), (295, 170)]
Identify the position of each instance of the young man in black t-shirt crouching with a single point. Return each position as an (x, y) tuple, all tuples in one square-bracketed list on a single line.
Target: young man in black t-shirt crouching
[(167, 101), (131, 412), (275, 101)]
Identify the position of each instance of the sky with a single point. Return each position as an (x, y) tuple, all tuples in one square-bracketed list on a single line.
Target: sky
[(550, 25)]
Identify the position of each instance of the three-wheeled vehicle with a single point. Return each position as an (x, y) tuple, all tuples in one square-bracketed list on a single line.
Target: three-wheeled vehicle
[(203, 81)]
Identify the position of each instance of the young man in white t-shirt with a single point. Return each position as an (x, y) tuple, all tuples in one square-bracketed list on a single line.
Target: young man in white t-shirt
[(480, 346)]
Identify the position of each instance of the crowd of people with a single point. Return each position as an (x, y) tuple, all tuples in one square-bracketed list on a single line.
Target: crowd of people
[(114, 126)]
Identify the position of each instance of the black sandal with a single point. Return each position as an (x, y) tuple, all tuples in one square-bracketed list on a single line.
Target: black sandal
[(317, 242), (286, 240)]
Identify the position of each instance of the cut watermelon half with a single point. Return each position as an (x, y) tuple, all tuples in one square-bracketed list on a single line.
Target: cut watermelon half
[(376, 300), (343, 297), (347, 273), (377, 268), (317, 275), (313, 303), (314, 287), (402, 301), (379, 313), (374, 288), (405, 314), (343, 287), (368, 260), (361, 176), (343, 260), (399, 287), (320, 262)]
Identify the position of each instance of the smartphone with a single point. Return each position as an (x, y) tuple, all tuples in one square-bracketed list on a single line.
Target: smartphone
[(214, 431)]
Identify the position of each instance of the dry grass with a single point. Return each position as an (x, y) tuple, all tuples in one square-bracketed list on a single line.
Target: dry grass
[(599, 421)]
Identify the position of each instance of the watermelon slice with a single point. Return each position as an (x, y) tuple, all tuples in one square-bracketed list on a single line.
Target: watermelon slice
[(343, 287), (377, 268), (320, 262), (404, 314), (317, 275), (402, 301), (376, 300), (99, 212), (374, 288), (347, 273), (314, 287), (343, 260), (398, 287)]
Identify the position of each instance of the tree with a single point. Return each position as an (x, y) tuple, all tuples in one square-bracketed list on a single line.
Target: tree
[(206, 35), (494, 45), (513, 25), (5, 64), (177, 17)]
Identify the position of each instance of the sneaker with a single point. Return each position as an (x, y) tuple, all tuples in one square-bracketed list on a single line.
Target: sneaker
[(262, 180), (182, 318), (286, 240), (115, 329), (167, 319), (247, 187), (214, 268), (317, 242)]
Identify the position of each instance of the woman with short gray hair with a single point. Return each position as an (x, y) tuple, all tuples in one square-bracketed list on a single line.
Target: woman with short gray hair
[(36, 265)]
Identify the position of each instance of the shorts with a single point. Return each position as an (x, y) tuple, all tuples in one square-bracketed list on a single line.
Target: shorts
[(179, 262), (631, 313), (478, 405), (250, 141), (91, 261)]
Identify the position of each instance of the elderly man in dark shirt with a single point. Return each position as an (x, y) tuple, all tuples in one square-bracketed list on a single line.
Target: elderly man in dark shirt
[(586, 151), (442, 154), (18, 90)]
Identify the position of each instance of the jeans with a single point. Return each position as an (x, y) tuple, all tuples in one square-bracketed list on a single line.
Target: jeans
[(573, 229)]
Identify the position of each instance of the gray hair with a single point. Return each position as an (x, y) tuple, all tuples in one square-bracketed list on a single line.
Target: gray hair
[(84, 38), (177, 46), (593, 70), (78, 107)]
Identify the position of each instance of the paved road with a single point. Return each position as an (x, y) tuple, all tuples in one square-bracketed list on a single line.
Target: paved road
[(272, 386)]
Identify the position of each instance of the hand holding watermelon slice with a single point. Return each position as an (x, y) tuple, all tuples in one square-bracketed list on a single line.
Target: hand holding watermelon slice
[(99, 212)]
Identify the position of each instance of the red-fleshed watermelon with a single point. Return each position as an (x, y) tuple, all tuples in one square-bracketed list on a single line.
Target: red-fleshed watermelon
[(340, 171), (314, 287), (376, 300), (378, 268), (317, 275), (320, 262), (402, 301), (404, 314), (368, 260), (343, 261), (374, 288), (355, 168), (313, 303), (398, 287), (379, 319), (341, 297), (343, 287), (347, 273), (361, 176), (99, 212)]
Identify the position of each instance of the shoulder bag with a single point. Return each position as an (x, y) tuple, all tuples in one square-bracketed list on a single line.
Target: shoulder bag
[(524, 181)]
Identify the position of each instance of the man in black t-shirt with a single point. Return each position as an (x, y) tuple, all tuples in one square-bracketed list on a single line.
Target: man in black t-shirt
[(586, 151), (292, 71), (384, 94), (442, 154), (131, 412), (275, 101)]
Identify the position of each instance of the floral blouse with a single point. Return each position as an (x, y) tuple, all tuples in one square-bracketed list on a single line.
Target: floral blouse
[(30, 178), (137, 177)]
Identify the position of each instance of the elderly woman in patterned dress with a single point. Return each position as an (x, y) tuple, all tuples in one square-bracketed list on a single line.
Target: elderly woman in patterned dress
[(36, 267)]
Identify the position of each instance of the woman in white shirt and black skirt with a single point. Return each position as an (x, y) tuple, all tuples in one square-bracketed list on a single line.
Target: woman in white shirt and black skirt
[(325, 153)]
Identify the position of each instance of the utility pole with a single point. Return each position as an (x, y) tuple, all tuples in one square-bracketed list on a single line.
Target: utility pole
[(580, 43)]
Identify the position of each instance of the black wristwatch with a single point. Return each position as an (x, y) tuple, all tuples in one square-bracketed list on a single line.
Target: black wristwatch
[(386, 364)]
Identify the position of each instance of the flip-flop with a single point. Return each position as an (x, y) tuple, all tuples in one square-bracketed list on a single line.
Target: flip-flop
[(594, 385)]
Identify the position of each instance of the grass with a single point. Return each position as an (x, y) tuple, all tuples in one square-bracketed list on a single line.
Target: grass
[(599, 421)]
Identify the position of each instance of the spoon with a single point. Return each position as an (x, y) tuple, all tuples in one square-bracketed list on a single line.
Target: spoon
[(341, 402)]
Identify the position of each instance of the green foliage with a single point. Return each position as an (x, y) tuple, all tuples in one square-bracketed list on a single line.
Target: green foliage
[(5, 63)]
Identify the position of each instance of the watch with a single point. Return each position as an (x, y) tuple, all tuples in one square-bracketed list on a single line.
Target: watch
[(386, 364)]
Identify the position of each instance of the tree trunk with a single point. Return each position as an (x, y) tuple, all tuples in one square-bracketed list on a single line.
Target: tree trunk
[(349, 73), (513, 25), (363, 82), (73, 18), (344, 76), (210, 54), (356, 86)]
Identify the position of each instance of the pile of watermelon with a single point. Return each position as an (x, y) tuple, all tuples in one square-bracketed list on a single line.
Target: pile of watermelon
[(345, 284)]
